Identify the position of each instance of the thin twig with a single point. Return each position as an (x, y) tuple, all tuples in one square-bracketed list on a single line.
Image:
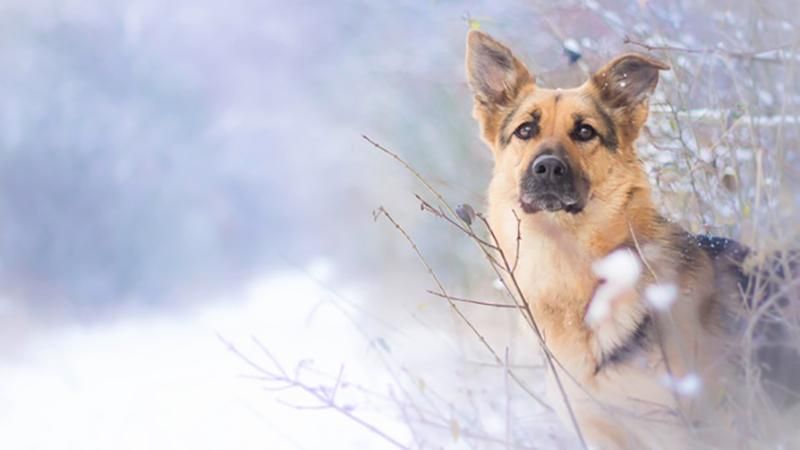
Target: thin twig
[(425, 206), (548, 355), (326, 401), (749, 54), (659, 337), (474, 302), (335, 389), (519, 240), (508, 403), (443, 291)]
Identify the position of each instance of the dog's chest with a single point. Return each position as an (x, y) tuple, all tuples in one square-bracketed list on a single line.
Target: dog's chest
[(553, 273)]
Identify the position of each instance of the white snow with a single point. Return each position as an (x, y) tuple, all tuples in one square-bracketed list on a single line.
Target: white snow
[(661, 296), (168, 382), (619, 272), (321, 269), (572, 45), (689, 385), (498, 284)]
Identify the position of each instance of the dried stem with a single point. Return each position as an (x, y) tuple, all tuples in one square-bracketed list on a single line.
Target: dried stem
[(549, 357), (474, 302), (756, 55), (425, 206), (519, 240), (443, 292), (659, 337), (325, 397)]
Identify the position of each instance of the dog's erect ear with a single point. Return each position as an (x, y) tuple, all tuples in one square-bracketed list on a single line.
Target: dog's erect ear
[(624, 86), (628, 80), (494, 74)]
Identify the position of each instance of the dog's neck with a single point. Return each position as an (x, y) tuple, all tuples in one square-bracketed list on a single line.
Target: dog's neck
[(556, 253)]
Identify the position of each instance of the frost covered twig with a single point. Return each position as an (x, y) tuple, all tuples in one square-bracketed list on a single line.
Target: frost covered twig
[(721, 115), (325, 395), (381, 212), (772, 55)]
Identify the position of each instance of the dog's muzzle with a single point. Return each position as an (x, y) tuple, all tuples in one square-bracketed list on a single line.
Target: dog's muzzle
[(549, 184)]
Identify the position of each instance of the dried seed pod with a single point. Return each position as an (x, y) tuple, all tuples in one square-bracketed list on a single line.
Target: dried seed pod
[(729, 180), (466, 213)]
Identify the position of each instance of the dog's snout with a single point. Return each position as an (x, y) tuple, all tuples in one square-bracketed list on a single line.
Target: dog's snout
[(551, 183), (549, 167)]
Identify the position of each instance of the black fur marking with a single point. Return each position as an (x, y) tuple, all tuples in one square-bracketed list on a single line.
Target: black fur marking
[(633, 344), (717, 246), (727, 257), (491, 65), (775, 352), (505, 133), (498, 57), (609, 137), (628, 82), (629, 196)]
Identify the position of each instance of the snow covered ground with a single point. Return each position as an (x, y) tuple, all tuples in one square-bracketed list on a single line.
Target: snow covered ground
[(168, 382)]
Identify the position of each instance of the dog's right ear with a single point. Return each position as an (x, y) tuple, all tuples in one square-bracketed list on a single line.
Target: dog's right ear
[(496, 78), (494, 74)]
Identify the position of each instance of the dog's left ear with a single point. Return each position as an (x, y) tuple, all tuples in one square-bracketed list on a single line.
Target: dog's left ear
[(624, 85)]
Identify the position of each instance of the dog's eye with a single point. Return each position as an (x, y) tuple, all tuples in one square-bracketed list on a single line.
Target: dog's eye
[(526, 131), (584, 133)]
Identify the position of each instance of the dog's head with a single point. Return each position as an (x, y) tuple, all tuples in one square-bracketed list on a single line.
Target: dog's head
[(557, 150)]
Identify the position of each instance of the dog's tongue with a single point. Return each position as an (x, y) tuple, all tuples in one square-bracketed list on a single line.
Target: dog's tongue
[(528, 204), (527, 198)]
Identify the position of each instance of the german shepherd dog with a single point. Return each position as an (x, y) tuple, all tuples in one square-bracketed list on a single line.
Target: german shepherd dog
[(568, 177)]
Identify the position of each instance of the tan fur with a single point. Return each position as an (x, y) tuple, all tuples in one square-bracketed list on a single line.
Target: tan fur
[(625, 405)]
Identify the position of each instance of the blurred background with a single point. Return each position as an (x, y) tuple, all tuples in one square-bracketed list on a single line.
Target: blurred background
[(185, 194)]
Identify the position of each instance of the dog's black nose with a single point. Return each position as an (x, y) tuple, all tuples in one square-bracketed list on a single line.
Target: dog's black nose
[(549, 167)]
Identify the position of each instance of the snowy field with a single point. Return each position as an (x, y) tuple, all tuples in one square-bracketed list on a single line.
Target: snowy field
[(169, 382)]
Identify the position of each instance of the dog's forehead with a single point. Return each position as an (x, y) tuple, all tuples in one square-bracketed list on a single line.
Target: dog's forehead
[(551, 102), (558, 95)]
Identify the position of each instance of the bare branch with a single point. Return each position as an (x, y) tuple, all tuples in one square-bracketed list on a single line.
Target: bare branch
[(425, 206), (382, 212), (548, 355), (326, 401), (474, 302), (772, 55), (656, 328), (519, 240)]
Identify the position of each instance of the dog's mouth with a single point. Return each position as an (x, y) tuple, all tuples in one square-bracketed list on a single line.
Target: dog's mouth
[(550, 201)]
